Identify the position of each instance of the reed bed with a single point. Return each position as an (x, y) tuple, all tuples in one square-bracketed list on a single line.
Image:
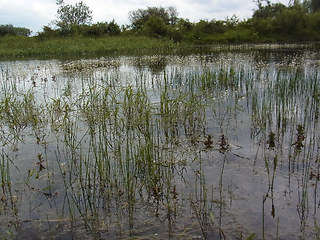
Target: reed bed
[(81, 47)]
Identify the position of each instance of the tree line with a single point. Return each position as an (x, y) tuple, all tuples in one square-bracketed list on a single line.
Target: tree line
[(299, 21)]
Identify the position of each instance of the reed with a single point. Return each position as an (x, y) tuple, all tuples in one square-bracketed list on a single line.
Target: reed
[(6, 195), (75, 47), (119, 148)]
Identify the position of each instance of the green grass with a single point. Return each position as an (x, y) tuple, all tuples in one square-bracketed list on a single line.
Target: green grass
[(75, 47)]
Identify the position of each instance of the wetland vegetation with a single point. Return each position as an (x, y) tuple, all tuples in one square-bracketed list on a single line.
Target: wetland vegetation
[(158, 30), (149, 131), (220, 145)]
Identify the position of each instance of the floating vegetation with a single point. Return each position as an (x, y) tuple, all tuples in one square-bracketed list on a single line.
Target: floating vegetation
[(90, 64), (179, 147)]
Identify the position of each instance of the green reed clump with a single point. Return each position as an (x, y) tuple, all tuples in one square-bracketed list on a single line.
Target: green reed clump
[(169, 110), (279, 101), (19, 111), (6, 195), (75, 47), (122, 157), (11, 114), (128, 138), (199, 200)]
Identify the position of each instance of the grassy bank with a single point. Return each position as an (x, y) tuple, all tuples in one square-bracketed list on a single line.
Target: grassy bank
[(75, 47), (14, 47)]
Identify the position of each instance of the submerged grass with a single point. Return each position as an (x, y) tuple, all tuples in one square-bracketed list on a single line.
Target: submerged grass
[(127, 151)]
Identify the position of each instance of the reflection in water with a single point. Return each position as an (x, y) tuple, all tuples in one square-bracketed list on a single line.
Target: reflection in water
[(219, 146)]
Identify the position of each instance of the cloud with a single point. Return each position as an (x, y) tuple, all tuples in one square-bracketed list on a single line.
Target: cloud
[(31, 14)]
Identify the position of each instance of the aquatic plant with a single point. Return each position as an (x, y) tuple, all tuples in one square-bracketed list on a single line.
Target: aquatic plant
[(115, 146)]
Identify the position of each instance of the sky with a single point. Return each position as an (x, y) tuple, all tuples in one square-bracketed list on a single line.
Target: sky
[(34, 14)]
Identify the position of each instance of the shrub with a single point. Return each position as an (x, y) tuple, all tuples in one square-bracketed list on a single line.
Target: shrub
[(211, 27), (113, 28), (155, 27), (8, 29), (292, 21)]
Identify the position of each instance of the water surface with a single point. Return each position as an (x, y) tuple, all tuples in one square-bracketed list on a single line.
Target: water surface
[(222, 145)]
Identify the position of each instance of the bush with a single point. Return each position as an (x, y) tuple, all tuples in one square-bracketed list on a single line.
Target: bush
[(292, 21), (211, 27), (155, 27), (239, 35), (95, 30), (269, 11), (140, 17), (8, 29), (113, 28)]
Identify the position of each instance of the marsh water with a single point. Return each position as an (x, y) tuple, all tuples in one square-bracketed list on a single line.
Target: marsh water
[(218, 145)]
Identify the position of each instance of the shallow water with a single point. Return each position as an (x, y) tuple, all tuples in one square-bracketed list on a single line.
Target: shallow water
[(221, 145)]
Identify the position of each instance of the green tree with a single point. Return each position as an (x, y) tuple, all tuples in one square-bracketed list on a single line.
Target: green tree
[(204, 26), (8, 29), (184, 25), (173, 15), (268, 11), (233, 21), (155, 27), (113, 28), (293, 21), (69, 15), (22, 31), (139, 17), (182, 30), (263, 20), (48, 32)]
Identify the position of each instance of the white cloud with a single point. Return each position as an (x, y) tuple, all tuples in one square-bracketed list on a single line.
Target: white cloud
[(31, 14)]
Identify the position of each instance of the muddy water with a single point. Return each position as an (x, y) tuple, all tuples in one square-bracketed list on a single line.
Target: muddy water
[(230, 148)]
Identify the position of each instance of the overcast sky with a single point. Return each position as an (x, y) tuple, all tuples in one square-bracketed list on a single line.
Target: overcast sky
[(34, 14)]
